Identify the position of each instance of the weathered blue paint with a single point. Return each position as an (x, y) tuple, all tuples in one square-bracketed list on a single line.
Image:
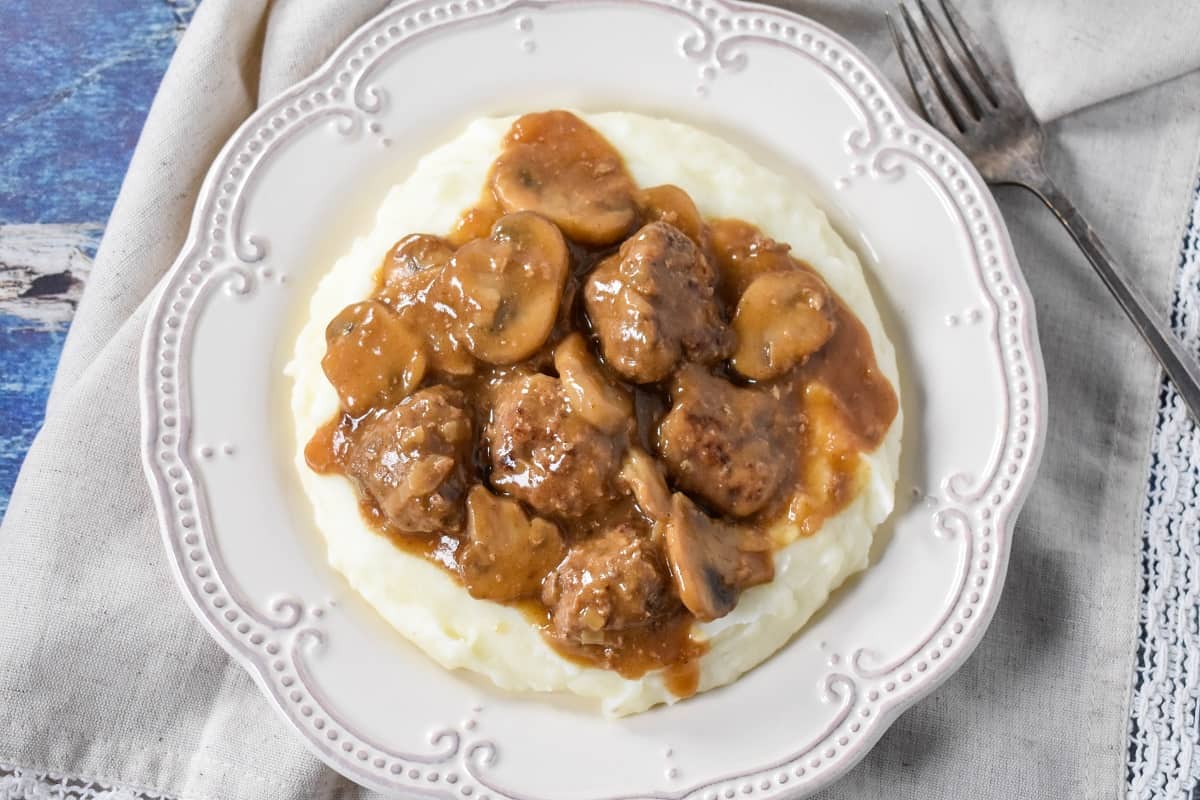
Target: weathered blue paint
[(27, 360), (76, 81)]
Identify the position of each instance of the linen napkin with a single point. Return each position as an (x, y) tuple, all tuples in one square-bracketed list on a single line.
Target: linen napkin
[(107, 681)]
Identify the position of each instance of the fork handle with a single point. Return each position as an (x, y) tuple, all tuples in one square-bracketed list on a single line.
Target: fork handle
[(1179, 364)]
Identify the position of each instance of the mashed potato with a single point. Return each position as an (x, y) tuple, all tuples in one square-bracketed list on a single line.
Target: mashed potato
[(433, 610)]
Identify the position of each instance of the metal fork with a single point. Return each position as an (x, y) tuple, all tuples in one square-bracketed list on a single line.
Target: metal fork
[(979, 108)]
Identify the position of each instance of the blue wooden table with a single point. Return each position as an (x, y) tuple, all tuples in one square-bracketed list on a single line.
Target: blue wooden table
[(76, 81)]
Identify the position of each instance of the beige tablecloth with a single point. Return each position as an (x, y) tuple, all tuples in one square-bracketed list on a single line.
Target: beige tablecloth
[(104, 673)]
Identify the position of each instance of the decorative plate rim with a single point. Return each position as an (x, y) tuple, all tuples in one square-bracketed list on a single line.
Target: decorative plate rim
[(271, 644)]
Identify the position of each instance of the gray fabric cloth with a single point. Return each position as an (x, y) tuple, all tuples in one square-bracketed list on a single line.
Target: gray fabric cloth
[(105, 674)]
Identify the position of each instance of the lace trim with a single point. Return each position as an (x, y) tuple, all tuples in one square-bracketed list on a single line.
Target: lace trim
[(20, 783), (1164, 732)]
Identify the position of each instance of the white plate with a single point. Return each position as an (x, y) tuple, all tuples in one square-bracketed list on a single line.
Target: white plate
[(302, 177)]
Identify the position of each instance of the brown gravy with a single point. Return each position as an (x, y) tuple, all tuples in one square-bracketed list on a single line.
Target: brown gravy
[(835, 402)]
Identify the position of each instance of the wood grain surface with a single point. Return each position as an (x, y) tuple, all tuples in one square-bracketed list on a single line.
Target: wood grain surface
[(76, 81)]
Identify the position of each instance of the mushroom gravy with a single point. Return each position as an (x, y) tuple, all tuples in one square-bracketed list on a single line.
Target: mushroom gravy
[(589, 402)]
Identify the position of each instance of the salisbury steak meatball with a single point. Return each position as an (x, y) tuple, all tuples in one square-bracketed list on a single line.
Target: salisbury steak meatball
[(725, 444), (606, 585), (653, 304), (412, 460), (543, 453)]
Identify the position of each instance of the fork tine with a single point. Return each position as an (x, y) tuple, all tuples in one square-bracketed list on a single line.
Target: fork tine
[(992, 80), (950, 95), (956, 64), (921, 81)]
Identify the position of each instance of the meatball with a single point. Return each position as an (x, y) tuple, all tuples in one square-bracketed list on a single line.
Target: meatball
[(373, 358), (607, 585), (654, 304), (544, 454), (411, 269), (725, 444), (412, 460)]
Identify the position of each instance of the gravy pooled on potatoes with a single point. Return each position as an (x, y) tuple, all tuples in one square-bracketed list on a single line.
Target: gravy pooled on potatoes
[(591, 402)]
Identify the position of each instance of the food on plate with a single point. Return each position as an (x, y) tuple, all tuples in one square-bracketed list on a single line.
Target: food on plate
[(545, 453), (720, 442), (411, 460), (503, 292), (600, 406), (653, 305), (554, 164)]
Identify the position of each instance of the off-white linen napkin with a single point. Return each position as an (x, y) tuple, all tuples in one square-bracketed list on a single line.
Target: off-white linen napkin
[(105, 674)]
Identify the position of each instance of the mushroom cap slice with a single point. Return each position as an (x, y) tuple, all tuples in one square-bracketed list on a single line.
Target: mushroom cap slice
[(644, 478), (781, 320), (742, 253), (712, 562), (590, 393), (411, 268), (557, 165), (373, 358), (668, 203), (507, 554), (505, 291), (412, 281)]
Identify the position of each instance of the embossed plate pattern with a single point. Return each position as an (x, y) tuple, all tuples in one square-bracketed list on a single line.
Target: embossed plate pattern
[(300, 179)]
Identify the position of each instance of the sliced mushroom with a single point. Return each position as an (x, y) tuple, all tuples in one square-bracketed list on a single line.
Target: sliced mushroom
[(506, 554), (504, 291), (589, 391), (373, 358), (781, 320), (712, 562), (641, 473), (743, 253), (448, 352), (412, 280), (557, 165), (410, 269), (669, 203)]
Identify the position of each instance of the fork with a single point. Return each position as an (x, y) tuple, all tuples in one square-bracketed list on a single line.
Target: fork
[(981, 110)]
